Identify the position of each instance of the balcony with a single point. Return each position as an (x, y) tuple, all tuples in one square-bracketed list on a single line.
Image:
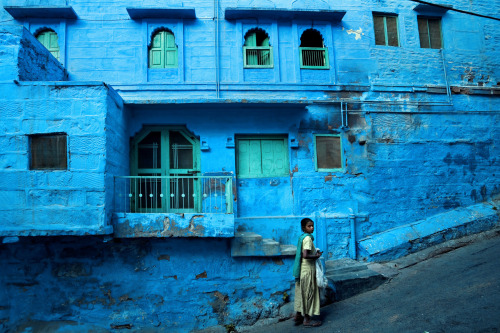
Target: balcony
[(173, 206)]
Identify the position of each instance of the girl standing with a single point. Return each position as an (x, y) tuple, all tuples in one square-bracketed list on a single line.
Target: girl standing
[(307, 301)]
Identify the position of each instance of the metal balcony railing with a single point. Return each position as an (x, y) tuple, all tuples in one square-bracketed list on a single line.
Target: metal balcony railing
[(258, 56), (173, 194), (314, 58)]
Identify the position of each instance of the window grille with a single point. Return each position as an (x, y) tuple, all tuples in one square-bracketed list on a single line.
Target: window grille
[(48, 152)]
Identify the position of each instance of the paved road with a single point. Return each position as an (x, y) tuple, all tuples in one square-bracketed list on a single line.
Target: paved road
[(458, 291)]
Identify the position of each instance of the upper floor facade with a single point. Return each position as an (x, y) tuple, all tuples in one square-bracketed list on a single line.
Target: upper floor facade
[(266, 49)]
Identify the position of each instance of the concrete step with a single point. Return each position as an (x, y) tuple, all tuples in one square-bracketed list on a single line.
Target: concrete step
[(351, 277), (250, 244), (288, 250)]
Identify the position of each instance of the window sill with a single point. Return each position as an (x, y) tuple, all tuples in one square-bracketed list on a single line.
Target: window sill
[(331, 170), (315, 68), (258, 67), (137, 225)]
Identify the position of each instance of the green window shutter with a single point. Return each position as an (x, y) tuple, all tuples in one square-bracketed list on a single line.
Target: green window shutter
[(266, 157), (163, 51), (156, 52), (255, 158), (50, 40)]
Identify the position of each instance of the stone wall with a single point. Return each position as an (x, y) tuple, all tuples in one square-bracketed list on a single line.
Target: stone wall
[(157, 284), (41, 202)]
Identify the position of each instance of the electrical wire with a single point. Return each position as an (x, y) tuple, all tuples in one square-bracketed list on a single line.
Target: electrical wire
[(456, 10)]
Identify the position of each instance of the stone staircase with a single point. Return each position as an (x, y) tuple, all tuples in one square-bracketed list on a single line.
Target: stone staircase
[(347, 277), (351, 277), (250, 244)]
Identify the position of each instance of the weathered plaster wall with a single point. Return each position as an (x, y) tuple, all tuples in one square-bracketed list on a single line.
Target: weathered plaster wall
[(25, 59), (38, 202), (115, 47), (169, 285), (117, 150), (424, 164)]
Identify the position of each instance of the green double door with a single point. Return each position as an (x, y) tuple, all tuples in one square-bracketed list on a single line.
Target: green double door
[(166, 162)]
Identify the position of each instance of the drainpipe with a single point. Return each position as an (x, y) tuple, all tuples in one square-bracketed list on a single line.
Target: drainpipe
[(448, 91), (352, 241), (216, 15)]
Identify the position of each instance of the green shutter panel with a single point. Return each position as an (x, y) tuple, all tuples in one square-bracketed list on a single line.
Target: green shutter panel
[(50, 40), (267, 158), (279, 157), (170, 50), (243, 158), (163, 52), (255, 157), (156, 57)]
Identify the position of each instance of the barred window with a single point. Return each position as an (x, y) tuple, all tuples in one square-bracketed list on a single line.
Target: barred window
[(313, 53), (386, 30), (48, 152), (429, 30)]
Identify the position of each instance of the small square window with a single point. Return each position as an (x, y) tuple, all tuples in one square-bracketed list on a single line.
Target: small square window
[(328, 152), (48, 152), (429, 30), (386, 30)]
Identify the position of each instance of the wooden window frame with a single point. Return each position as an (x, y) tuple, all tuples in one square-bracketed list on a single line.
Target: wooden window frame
[(426, 19), (386, 34), (342, 168), (286, 162)]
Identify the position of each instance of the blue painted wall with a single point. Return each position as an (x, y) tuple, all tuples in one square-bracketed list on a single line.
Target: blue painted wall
[(422, 138)]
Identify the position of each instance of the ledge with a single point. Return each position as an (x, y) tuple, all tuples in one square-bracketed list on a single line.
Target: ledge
[(137, 225), (169, 13), (20, 12), (250, 244), (425, 7), (56, 231), (283, 13)]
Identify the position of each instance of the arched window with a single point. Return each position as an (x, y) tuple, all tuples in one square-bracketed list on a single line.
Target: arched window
[(313, 53), (49, 39), (163, 51), (257, 52)]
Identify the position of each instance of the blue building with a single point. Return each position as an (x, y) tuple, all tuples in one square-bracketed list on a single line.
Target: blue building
[(157, 157)]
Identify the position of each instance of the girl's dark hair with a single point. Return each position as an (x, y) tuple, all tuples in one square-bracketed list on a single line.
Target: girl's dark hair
[(304, 221)]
